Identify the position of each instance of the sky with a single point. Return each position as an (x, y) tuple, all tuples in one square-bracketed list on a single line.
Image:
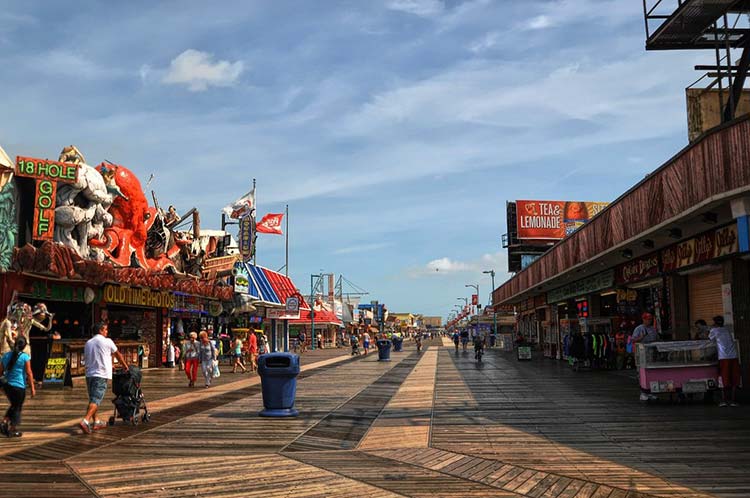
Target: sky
[(396, 130)]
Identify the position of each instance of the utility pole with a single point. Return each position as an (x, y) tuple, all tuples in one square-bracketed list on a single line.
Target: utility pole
[(286, 263), (494, 311), (312, 310)]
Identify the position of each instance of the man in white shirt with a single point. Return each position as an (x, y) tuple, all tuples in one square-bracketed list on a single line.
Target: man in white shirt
[(729, 363), (97, 356)]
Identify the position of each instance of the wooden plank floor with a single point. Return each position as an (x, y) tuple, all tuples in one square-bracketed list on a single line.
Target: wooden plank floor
[(436, 424), (54, 413), (405, 420), (585, 426)]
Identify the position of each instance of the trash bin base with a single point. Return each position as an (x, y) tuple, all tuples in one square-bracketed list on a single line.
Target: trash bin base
[(281, 412), (384, 359)]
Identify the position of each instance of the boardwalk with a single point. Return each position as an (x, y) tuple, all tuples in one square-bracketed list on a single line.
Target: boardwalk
[(432, 425)]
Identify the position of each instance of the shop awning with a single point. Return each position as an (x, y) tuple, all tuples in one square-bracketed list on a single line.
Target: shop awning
[(260, 288), (284, 288), (322, 317)]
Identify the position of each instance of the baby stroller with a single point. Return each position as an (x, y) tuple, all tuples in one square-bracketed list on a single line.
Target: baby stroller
[(355, 346), (126, 386)]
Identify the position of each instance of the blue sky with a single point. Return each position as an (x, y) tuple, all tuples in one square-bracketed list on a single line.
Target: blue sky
[(395, 129)]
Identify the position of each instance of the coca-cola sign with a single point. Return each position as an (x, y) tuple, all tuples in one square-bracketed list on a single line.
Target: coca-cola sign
[(701, 248)]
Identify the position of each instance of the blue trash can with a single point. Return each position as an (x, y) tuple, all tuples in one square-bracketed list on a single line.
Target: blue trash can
[(384, 349), (398, 344), (278, 378)]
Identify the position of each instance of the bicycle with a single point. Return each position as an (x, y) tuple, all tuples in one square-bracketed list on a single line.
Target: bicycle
[(478, 352)]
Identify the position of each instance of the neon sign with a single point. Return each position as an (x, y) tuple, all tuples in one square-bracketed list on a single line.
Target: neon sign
[(46, 173)]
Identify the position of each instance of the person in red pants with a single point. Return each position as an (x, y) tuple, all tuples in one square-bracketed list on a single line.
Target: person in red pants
[(192, 353)]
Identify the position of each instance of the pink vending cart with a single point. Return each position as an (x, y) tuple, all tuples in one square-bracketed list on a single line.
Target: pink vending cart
[(681, 367)]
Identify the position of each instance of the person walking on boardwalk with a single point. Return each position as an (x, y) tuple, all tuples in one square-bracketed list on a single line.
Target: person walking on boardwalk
[(97, 356), (192, 351), (729, 363), (238, 356), (302, 343), (16, 368), (253, 351), (366, 342), (206, 356)]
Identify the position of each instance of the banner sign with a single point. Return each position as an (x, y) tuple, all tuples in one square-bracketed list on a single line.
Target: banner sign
[(553, 220), (247, 236), (134, 296), (701, 248), (46, 173), (639, 269), (474, 299), (594, 283), (241, 279)]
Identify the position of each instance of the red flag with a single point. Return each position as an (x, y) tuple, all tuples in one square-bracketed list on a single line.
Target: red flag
[(271, 223)]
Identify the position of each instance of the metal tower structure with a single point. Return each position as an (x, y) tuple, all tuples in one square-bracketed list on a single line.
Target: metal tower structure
[(721, 26)]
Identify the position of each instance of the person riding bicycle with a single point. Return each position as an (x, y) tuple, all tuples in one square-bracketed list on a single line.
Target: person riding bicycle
[(479, 340)]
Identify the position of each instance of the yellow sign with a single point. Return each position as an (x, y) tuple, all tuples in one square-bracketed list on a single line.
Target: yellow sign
[(55, 370), (134, 296)]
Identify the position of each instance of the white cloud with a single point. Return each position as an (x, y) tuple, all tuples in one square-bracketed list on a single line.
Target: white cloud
[(447, 266), (487, 42), (539, 22), (197, 70), (421, 8)]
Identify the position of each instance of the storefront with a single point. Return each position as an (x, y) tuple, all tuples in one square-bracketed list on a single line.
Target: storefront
[(701, 275), (136, 320)]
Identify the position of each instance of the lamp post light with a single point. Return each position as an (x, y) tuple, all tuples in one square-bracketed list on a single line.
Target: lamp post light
[(494, 312), (312, 309)]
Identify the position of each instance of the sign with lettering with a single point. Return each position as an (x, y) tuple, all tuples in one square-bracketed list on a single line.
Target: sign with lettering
[(594, 283), (281, 314), (247, 237), (53, 291), (57, 369), (701, 248), (292, 305), (134, 296), (553, 220), (637, 269), (46, 173)]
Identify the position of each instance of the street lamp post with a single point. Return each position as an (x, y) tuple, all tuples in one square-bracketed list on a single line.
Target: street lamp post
[(312, 310), (494, 312)]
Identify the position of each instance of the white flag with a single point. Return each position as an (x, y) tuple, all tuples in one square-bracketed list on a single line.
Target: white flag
[(242, 206)]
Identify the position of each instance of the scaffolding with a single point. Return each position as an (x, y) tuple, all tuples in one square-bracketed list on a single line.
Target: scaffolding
[(722, 26)]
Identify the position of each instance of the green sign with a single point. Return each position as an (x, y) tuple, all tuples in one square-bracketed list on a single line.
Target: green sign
[(594, 283)]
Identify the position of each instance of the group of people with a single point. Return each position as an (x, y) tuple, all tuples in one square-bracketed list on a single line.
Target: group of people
[(479, 338)]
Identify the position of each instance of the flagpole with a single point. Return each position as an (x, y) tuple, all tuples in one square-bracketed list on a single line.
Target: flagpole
[(255, 222), (286, 265)]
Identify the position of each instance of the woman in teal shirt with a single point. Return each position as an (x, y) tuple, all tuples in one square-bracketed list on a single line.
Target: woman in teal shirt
[(16, 367)]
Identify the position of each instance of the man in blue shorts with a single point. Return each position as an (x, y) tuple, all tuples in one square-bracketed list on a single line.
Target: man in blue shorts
[(97, 355)]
